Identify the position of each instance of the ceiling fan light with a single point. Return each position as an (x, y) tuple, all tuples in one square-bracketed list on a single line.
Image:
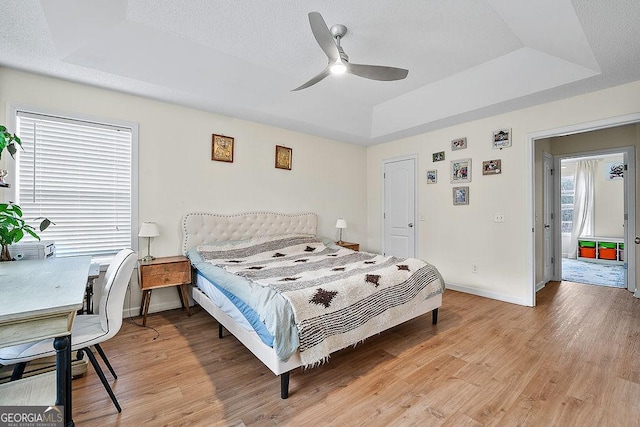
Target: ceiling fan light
[(338, 68)]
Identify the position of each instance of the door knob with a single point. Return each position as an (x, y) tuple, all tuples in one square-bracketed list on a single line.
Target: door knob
[(547, 226), (411, 225), (637, 240)]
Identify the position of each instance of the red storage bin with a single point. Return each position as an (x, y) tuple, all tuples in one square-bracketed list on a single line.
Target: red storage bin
[(588, 252), (607, 253)]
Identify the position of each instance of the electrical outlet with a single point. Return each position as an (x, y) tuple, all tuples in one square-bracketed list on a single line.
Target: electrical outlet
[(498, 217), (474, 268)]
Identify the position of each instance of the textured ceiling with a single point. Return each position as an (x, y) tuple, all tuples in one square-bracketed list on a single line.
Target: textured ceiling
[(467, 59)]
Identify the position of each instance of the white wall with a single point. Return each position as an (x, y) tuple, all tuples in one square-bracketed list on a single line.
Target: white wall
[(455, 237), (177, 175)]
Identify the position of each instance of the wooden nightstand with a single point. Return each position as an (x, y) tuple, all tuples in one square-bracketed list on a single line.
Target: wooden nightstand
[(160, 273), (349, 245)]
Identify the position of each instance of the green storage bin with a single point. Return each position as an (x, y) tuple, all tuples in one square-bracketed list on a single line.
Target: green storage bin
[(586, 244), (621, 246), (608, 245)]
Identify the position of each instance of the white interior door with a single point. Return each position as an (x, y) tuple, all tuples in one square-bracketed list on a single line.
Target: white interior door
[(399, 208), (548, 219)]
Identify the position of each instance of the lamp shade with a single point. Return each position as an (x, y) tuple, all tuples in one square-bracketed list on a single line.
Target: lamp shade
[(341, 223), (149, 229)]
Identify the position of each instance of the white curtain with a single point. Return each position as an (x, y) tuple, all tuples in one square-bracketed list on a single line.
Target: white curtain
[(582, 203)]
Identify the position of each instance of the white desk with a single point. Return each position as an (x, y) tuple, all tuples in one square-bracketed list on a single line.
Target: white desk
[(38, 300)]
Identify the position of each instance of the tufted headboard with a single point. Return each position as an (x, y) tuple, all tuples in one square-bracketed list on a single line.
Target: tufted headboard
[(199, 228)]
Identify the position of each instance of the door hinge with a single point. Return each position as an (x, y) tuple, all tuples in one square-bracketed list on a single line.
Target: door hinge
[(553, 260), (551, 215), (551, 171), (384, 175)]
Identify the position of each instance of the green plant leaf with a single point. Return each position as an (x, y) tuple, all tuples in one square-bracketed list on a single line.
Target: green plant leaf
[(44, 224)]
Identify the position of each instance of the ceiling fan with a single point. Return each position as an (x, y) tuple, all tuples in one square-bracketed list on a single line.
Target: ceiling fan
[(329, 41)]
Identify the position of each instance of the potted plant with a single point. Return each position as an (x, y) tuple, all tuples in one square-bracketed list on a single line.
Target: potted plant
[(12, 226)]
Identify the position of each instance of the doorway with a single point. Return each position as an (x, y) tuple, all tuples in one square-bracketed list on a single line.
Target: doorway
[(592, 222), (541, 142), (399, 206)]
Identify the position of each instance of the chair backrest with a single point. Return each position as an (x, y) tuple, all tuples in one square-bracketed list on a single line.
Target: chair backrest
[(116, 280)]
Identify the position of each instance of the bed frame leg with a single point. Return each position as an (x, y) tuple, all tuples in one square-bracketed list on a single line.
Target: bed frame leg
[(284, 385), (434, 316), (220, 331)]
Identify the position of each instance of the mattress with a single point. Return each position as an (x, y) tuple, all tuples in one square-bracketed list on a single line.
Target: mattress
[(235, 308)]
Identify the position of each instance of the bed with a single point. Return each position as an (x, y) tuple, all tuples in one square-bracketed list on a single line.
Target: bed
[(253, 272)]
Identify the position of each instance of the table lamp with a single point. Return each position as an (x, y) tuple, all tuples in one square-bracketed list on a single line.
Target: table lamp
[(148, 230), (341, 223)]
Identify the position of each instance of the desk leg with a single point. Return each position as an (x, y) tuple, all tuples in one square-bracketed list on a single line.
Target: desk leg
[(63, 376)]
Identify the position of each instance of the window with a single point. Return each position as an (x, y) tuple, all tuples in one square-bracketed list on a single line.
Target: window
[(567, 193), (80, 175)]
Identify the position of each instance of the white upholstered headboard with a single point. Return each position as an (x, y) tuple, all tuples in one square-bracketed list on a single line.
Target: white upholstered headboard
[(200, 227)]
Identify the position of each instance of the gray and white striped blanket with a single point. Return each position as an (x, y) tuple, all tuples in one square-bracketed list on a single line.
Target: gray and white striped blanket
[(338, 296)]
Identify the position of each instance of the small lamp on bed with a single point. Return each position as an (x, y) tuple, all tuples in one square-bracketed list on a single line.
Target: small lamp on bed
[(341, 223), (148, 230)]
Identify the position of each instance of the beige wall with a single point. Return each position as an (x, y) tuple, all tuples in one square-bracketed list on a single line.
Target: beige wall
[(455, 237), (176, 174)]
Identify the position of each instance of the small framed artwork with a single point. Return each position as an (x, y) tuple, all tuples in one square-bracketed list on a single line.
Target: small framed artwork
[(459, 144), (492, 167), (502, 138), (460, 171), (438, 157), (222, 148), (432, 177), (615, 170), (283, 157), (460, 195)]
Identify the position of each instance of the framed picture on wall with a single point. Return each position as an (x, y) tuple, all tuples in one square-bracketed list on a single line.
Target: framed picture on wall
[(438, 157), (283, 157), (222, 148), (460, 171), (432, 177), (492, 167), (460, 195), (502, 138), (459, 144)]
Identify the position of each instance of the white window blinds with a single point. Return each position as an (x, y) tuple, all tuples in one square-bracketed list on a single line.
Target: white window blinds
[(79, 175)]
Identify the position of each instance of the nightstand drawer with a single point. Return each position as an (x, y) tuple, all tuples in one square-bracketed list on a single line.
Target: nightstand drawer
[(156, 275)]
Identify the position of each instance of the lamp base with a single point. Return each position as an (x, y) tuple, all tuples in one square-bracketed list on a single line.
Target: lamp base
[(148, 258)]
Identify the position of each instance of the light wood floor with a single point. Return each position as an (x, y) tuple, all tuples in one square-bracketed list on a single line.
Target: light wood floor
[(572, 360)]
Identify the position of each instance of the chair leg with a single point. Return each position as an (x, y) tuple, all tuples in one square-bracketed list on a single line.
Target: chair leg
[(106, 361), (106, 385), (18, 370)]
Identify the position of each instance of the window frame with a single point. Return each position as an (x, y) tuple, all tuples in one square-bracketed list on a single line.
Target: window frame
[(11, 164)]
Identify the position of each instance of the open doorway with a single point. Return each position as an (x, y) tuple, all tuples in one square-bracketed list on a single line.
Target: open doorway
[(592, 219), (621, 134)]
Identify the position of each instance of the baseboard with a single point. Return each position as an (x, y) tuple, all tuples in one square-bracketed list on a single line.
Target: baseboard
[(153, 308), (540, 285), (486, 294)]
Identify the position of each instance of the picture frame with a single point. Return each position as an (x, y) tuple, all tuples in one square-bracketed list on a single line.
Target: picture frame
[(492, 167), (614, 170), (222, 148), (460, 196), (461, 170), (502, 138), (283, 157), (459, 144), (432, 177), (438, 157)]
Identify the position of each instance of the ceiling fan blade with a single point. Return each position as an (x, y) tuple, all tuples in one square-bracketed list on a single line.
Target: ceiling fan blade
[(314, 80), (377, 72), (323, 36)]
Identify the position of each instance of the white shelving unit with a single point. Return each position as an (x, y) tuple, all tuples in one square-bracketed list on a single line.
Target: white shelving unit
[(615, 244)]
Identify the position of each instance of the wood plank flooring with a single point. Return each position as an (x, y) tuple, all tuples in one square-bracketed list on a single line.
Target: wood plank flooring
[(574, 360)]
